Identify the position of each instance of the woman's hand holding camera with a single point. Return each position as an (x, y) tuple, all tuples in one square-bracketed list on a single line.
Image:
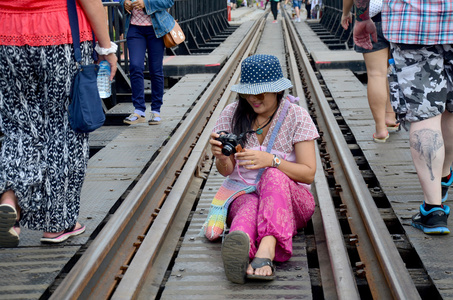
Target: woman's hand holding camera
[(221, 159), (254, 159), (216, 147)]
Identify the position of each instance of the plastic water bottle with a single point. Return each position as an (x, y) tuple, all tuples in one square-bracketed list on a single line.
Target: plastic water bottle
[(104, 85)]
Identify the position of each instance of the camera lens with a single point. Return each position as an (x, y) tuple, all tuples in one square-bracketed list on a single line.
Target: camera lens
[(227, 150)]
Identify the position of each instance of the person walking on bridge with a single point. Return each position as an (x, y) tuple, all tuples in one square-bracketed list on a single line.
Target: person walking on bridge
[(274, 9), (147, 21), (423, 58), (376, 62), (43, 160)]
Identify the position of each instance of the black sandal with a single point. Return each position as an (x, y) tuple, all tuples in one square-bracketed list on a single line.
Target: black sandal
[(259, 262), (235, 256)]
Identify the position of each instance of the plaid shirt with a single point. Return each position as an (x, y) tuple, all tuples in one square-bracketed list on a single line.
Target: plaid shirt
[(425, 22), (139, 18)]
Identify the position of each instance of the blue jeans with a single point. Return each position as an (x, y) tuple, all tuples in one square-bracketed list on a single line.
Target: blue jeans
[(140, 39)]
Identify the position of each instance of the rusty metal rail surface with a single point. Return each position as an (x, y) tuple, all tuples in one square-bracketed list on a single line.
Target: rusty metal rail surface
[(340, 270), (146, 214), (387, 275), (117, 262)]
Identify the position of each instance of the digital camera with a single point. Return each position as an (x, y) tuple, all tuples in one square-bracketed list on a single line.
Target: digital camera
[(230, 142)]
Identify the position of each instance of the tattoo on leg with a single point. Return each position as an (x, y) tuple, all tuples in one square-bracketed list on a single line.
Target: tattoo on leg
[(427, 142)]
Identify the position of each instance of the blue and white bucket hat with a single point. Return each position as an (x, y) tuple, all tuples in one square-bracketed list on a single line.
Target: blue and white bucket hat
[(261, 73)]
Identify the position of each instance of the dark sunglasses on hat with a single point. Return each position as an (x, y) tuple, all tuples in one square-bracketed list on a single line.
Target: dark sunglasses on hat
[(247, 96)]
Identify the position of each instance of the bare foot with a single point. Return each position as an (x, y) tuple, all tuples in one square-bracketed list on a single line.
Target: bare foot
[(390, 120), (266, 249), (10, 198), (381, 135)]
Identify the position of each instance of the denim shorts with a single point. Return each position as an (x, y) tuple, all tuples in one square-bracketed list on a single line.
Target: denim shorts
[(425, 80), (382, 42), (297, 4)]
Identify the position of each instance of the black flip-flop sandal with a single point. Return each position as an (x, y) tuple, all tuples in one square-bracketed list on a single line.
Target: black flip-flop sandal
[(235, 256), (259, 262)]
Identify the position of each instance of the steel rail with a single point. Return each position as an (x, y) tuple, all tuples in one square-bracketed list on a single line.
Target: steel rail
[(143, 200), (130, 284), (89, 270), (342, 273), (399, 282)]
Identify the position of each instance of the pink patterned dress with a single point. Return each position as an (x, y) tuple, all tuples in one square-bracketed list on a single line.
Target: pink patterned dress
[(280, 206)]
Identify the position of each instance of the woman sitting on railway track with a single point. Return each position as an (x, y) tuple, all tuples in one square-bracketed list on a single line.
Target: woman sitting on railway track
[(278, 155)]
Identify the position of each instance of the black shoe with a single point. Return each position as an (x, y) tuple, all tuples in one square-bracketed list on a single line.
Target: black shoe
[(433, 221), (445, 186)]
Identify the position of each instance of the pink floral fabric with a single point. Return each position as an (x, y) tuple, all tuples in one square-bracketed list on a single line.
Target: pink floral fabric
[(279, 208)]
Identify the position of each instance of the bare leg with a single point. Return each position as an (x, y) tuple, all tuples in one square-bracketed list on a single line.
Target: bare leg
[(377, 90), (9, 197), (447, 134), (266, 249), (428, 155)]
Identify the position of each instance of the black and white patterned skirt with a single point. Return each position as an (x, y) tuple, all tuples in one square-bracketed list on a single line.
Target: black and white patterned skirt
[(42, 159)]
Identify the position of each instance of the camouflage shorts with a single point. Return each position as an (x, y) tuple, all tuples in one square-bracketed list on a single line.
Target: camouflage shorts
[(425, 81)]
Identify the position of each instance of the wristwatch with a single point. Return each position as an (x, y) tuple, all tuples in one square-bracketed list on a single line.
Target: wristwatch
[(276, 161)]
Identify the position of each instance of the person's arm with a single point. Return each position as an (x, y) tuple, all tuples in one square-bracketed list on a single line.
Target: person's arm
[(94, 10), (364, 26), (346, 18), (303, 170)]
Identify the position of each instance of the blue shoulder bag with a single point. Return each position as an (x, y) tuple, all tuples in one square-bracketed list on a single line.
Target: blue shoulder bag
[(85, 109)]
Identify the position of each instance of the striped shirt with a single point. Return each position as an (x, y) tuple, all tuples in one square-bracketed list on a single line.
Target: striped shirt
[(423, 22)]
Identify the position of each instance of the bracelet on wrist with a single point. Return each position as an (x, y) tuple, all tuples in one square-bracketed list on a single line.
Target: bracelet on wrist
[(106, 51), (224, 165), (276, 161)]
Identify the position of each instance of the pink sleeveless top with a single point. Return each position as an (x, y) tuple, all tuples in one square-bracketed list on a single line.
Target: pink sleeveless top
[(39, 23)]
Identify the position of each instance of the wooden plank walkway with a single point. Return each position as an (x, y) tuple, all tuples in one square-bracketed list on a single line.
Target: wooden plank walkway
[(27, 271), (392, 164), (198, 270)]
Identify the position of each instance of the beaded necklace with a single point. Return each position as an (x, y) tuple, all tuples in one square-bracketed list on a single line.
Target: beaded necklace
[(259, 130)]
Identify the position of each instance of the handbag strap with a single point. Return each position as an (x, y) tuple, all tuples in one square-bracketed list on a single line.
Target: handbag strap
[(74, 24)]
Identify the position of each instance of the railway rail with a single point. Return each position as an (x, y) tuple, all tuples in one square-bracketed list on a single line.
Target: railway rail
[(132, 254)]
